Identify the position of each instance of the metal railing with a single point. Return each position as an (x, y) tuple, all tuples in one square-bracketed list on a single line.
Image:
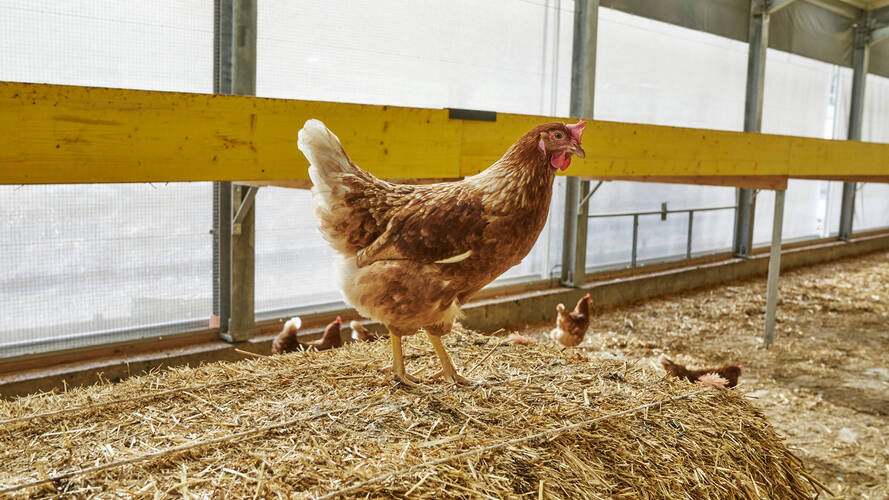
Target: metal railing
[(663, 212)]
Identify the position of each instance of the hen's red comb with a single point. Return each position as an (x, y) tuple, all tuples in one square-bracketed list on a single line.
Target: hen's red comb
[(339, 320), (577, 130)]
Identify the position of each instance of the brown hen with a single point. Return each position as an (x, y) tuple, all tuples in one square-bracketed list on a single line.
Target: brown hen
[(731, 373), (409, 256), (360, 333), (286, 340), (572, 326)]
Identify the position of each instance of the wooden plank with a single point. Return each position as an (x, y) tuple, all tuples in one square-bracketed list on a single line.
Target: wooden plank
[(750, 182), (62, 134), (59, 134)]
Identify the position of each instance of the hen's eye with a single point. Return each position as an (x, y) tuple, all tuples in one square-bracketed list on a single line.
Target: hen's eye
[(558, 136)]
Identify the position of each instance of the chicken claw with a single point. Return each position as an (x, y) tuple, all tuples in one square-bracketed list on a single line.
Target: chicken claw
[(397, 368), (408, 376), (448, 371)]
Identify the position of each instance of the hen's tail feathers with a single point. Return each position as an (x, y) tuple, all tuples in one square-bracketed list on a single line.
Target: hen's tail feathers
[(328, 164), (293, 324), (326, 155)]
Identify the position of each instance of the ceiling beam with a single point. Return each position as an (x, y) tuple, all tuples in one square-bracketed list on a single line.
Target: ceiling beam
[(878, 35), (837, 7), (858, 4), (776, 5)]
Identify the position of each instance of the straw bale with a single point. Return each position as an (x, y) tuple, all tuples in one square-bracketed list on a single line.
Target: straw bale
[(545, 422)]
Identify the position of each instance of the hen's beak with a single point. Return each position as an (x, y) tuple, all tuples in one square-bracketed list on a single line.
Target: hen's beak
[(576, 150)]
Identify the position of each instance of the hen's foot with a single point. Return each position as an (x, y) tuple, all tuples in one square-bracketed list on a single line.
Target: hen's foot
[(406, 375), (454, 378)]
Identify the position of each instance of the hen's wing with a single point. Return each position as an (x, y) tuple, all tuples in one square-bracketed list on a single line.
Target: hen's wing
[(440, 224), (376, 220)]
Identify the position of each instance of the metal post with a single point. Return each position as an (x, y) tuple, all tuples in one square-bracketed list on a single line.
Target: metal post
[(222, 191), (860, 59), (235, 73), (774, 268), (635, 240), (583, 86), (691, 222), (575, 237), (758, 42)]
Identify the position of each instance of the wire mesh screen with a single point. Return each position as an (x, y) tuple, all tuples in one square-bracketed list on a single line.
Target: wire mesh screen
[(156, 45), (81, 265), (294, 265), (87, 264)]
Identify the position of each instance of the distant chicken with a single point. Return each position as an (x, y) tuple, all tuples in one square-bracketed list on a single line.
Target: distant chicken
[(571, 327), (409, 256), (286, 340), (731, 373), (360, 333), (331, 338)]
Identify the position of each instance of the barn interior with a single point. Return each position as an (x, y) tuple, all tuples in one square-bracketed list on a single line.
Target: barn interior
[(158, 233)]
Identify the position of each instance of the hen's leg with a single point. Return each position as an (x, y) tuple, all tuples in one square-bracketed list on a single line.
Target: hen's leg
[(397, 368), (447, 368)]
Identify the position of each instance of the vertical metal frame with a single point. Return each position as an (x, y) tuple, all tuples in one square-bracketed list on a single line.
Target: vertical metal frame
[(758, 42), (860, 60), (233, 207), (583, 88)]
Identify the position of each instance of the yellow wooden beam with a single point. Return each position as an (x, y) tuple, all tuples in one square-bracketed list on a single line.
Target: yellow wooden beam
[(61, 134)]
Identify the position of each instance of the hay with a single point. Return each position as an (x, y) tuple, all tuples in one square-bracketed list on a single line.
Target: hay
[(549, 422)]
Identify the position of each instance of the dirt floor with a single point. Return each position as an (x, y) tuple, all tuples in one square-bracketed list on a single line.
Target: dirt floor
[(824, 383)]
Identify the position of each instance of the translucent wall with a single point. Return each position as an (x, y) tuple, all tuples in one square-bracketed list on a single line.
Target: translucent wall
[(653, 72), (795, 102), (88, 264), (433, 54), (871, 199)]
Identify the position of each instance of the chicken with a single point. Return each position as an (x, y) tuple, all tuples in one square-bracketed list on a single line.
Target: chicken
[(360, 333), (409, 256), (330, 339), (286, 340), (571, 327), (731, 373)]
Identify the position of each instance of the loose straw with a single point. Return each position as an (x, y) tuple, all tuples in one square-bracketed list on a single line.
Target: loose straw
[(503, 444), (176, 449)]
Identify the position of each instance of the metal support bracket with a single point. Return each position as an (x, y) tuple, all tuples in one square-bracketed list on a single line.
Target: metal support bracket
[(586, 199), (243, 208)]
